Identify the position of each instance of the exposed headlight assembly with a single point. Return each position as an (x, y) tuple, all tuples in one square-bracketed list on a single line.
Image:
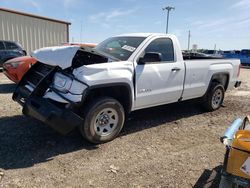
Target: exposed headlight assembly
[(62, 83)]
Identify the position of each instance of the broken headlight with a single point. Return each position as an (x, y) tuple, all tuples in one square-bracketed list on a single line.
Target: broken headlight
[(62, 83)]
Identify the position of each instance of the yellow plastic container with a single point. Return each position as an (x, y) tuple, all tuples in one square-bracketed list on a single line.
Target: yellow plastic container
[(239, 154)]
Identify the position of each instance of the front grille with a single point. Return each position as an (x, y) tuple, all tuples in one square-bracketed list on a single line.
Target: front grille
[(35, 82), (38, 72)]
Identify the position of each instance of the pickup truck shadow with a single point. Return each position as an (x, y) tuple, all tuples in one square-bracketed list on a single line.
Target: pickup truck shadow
[(151, 117), (7, 88), (25, 141)]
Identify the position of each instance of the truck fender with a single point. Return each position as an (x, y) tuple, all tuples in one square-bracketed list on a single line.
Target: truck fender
[(220, 77), (120, 91)]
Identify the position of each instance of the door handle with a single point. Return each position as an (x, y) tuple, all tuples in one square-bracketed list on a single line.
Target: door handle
[(175, 69)]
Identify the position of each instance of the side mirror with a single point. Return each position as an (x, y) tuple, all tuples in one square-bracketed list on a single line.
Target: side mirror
[(150, 57)]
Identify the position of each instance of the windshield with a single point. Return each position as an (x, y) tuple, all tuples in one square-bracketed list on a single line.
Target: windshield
[(120, 47)]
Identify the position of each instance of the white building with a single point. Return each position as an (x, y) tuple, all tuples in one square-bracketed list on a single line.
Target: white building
[(32, 31)]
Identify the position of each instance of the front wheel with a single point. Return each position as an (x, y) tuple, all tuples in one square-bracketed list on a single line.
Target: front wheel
[(214, 97), (103, 120)]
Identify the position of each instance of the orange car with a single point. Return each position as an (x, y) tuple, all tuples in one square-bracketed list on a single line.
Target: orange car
[(15, 68)]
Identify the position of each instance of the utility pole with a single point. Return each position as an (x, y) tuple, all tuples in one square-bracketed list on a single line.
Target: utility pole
[(168, 8), (189, 36)]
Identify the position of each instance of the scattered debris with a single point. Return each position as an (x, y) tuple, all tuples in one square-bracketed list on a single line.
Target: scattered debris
[(1, 175), (113, 169)]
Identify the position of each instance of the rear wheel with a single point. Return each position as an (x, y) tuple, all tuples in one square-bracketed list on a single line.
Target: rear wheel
[(103, 120), (214, 97)]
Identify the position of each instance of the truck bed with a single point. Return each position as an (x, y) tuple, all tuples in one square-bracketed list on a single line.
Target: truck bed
[(187, 56), (200, 71)]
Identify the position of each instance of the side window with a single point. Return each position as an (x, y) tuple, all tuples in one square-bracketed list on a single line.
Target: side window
[(2, 46), (164, 46), (11, 46)]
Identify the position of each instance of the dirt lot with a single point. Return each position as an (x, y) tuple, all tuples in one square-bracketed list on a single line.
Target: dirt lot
[(170, 146)]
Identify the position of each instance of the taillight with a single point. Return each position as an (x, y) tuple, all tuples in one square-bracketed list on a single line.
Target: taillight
[(238, 74)]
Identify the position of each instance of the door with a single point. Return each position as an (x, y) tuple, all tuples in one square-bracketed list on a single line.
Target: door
[(159, 82)]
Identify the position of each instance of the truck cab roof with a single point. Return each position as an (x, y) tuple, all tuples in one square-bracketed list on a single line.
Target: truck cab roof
[(144, 35)]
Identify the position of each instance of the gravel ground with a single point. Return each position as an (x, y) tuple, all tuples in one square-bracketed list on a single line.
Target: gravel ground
[(170, 146)]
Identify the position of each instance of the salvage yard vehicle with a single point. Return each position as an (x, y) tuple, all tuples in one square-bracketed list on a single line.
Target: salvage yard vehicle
[(197, 55), (213, 53), (15, 68), (96, 89), (243, 55), (9, 50)]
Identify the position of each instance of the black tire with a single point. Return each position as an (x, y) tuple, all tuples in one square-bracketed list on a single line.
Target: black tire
[(214, 97), (93, 130)]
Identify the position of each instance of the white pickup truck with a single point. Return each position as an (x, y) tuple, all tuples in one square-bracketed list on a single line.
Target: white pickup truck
[(95, 89)]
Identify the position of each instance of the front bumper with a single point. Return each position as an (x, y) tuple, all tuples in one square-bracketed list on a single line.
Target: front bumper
[(29, 94), (237, 84), (60, 119)]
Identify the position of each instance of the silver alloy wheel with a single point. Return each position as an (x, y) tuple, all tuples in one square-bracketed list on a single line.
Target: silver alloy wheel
[(106, 121), (217, 98)]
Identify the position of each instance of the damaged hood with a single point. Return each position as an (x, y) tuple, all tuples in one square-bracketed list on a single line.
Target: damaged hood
[(56, 56)]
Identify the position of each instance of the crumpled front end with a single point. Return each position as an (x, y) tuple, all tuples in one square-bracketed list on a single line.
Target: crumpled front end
[(51, 91), (61, 56), (30, 94)]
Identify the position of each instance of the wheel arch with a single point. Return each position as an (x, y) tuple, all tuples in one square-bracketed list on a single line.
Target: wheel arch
[(222, 78), (122, 92)]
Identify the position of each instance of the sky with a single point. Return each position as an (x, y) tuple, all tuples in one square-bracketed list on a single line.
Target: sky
[(224, 23)]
